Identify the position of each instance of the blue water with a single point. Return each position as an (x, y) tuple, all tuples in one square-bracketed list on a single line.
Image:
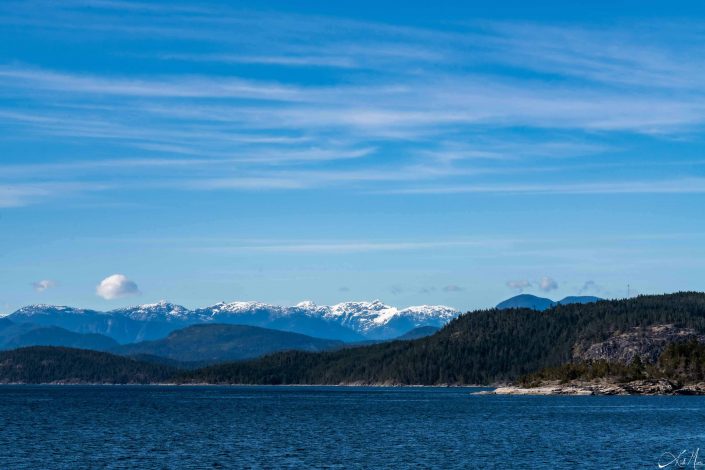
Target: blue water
[(233, 427)]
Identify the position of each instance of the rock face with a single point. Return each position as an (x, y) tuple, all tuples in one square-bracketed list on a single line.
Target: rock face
[(637, 387), (647, 343), (542, 390), (693, 389)]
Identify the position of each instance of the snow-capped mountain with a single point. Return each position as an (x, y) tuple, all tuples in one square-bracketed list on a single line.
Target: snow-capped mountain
[(161, 310), (234, 309), (379, 321), (347, 321), (50, 310), (79, 320), (371, 320)]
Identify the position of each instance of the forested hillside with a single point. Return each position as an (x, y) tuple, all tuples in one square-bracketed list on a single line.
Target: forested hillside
[(477, 348), (680, 362), (47, 364)]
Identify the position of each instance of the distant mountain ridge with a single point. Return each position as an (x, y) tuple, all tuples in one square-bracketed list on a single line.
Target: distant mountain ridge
[(541, 303), (348, 321), (580, 299), (218, 342), (417, 333), (16, 335)]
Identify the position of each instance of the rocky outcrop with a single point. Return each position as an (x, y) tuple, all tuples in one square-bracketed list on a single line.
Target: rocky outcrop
[(693, 389), (646, 342), (638, 387), (541, 390)]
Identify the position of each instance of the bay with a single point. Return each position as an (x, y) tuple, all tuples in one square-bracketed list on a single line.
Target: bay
[(337, 427)]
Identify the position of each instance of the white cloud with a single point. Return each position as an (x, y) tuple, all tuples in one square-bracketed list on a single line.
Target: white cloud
[(614, 57), (44, 284), (307, 61), (424, 86), (116, 286), (589, 286), (519, 285), (548, 284), (201, 87), (24, 194)]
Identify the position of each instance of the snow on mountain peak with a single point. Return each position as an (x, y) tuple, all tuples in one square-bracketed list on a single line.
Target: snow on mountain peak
[(430, 311), (359, 316), (161, 310), (360, 306), (373, 319), (307, 305), (46, 309), (239, 307)]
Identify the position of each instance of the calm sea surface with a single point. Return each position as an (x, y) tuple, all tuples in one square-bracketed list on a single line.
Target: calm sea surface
[(234, 427)]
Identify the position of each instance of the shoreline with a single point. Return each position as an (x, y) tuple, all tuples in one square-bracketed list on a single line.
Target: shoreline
[(574, 388), (172, 384), (653, 387)]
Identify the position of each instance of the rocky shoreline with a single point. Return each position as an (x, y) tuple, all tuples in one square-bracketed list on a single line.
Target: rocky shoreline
[(638, 387)]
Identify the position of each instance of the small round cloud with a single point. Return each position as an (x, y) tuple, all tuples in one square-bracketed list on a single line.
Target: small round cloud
[(44, 284), (116, 286), (548, 284)]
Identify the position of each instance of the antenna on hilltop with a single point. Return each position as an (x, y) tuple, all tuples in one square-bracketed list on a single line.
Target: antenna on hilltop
[(628, 290)]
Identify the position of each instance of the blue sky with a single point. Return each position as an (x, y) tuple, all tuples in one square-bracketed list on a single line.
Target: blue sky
[(337, 151)]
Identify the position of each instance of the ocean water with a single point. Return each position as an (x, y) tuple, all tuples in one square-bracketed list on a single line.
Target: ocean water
[(339, 427)]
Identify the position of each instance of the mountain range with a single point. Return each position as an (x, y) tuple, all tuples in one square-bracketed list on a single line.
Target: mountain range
[(348, 321), (664, 332), (541, 303), (166, 333), (191, 346)]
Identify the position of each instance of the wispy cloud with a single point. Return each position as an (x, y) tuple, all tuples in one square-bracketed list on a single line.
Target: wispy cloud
[(24, 194), (519, 284), (424, 110), (590, 287), (285, 60), (165, 87), (680, 186), (632, 57), (346, 247)]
